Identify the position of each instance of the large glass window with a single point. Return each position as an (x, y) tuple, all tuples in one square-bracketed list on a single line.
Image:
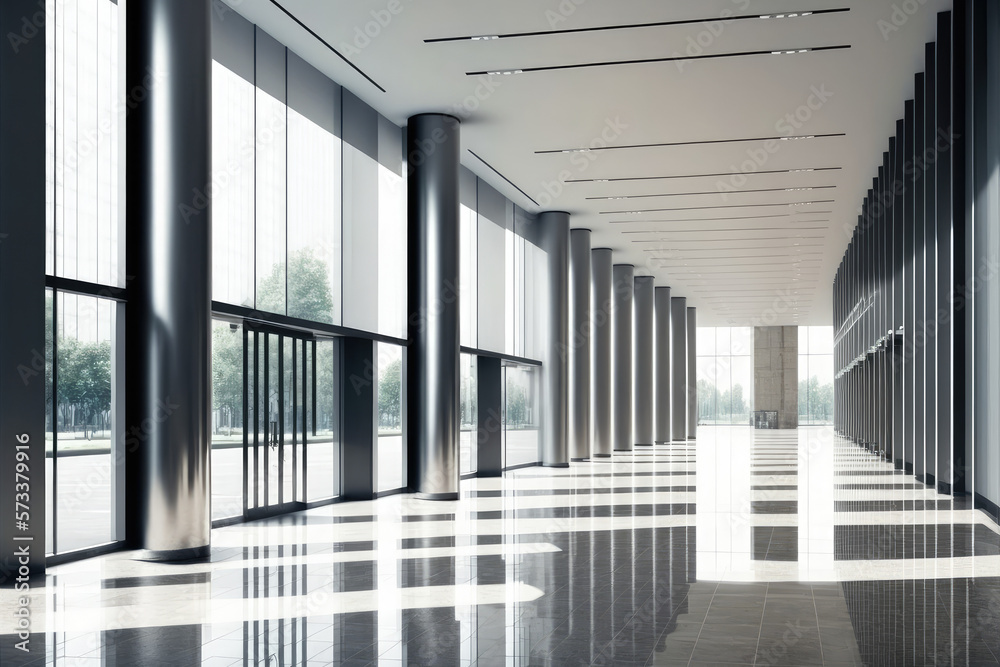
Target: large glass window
[(469, 276), (521, 423), (83, 458), (314, 198), (233, 141), (389, 448), (313, 221), (85, 241), (391, 252), (725, 375), (85, 117), (276, 179), (270, 203), (514, 273), (815, 375)]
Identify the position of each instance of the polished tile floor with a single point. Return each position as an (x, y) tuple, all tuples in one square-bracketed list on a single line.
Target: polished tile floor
[(766, 548)]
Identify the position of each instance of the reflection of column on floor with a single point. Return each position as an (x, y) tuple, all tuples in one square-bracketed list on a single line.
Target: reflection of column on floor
[(467, 574), (816, 518), (387, 535), (724, 502), (140, 646), (518, 632)]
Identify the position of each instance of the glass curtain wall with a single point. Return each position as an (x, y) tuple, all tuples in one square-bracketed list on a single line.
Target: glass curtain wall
[(309, 196), (276, 150), (725, 375), (85, 241), (815, 375), (506, 269)]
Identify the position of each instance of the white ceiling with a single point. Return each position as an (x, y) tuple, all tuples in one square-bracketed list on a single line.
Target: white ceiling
[(731, 268)]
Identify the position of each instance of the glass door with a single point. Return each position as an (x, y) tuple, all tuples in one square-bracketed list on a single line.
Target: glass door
[(280, 392), (520, 415)]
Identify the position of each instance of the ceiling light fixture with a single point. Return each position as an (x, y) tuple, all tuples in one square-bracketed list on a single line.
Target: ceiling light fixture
[(728, 173), (633, 26), (667, 59), (701, 142), (706, 208), (712, 192)]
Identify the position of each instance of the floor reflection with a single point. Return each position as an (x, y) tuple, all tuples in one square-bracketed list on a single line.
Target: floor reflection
[(778, 548)]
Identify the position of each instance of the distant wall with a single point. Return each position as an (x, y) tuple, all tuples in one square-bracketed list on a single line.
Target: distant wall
[(776, 373)]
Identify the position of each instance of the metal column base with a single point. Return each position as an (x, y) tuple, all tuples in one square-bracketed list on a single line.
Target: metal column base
[(173, 555), (436, 496)]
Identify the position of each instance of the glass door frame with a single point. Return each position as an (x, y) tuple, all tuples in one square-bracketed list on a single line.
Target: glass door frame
[(257, 448)]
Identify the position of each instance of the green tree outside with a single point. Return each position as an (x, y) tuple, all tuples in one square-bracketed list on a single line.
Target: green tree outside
[(309, 296)]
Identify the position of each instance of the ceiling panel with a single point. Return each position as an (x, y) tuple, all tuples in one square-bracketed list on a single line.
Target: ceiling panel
[(695, 131)]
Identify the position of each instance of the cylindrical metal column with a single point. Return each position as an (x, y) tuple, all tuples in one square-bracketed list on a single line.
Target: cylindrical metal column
[(692, 373), (579, 342), (553, 227), (662, 373), (642, 361), (621, 357), (601, 305), (432, 387), (169, 262), (678, 368)]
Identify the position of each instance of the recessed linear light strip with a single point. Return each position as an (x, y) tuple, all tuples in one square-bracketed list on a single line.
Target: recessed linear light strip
[(792, 258), (703, 142), (764, 247), (729, 229), (632, 26), (326, 44), (686, 220), (770, 281), (669, 241), (732, 292), (719, 285), (647, 61), (781, 272), (711, 192), (678, 176), (755, 238), (710, 208), (760, 296), (790, 263)]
